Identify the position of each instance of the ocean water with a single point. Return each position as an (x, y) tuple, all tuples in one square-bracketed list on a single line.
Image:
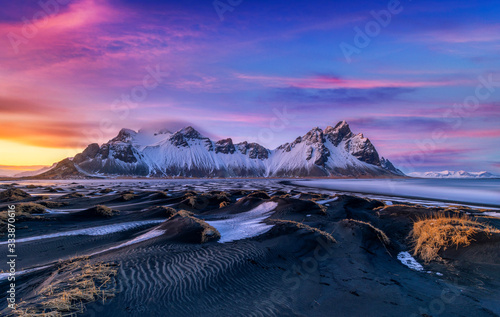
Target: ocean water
[(481, 192)]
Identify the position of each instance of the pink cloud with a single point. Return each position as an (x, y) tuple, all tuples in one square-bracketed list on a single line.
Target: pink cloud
[(330, 82)]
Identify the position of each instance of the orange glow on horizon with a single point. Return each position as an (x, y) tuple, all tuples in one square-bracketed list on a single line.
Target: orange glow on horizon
[(17, 154)]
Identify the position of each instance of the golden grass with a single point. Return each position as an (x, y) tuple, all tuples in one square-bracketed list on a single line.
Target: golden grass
[(23, 213), (128, 196), (80, 282), (223, 204), (101, 211), (30, 208), (208, 233), (13, 194), (436, 233)]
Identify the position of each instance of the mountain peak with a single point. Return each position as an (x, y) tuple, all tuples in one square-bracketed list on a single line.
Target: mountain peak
[(125, 135), (190, 133), (341, 124), (315, 135), (338, 133), (163, 131)]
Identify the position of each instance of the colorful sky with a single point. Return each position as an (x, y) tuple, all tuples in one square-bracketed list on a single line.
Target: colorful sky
[(76, 72)]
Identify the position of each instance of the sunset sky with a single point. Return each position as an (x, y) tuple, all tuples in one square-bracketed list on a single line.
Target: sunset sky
[(76, 72)]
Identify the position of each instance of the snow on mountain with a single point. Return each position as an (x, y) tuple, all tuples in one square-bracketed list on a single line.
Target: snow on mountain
[(187, 153), (453, 174)]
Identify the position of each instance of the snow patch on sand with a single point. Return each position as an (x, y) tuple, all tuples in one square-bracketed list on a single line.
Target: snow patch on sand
[(94, 231), (245, 225), (491, 214), (409, 261), (321, 202), (143, 237)]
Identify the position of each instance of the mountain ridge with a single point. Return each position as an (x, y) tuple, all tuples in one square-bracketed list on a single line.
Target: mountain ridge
[(454, 174), (334, 151)]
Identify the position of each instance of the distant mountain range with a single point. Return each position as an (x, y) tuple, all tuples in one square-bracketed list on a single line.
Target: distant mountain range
[(453, 174), (335, 151), (35, 172)]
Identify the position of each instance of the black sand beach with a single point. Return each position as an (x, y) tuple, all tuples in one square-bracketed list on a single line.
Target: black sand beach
[(235, 248)]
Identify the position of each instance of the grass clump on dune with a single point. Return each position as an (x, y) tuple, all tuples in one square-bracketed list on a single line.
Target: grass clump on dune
[(161, 211), (169, 211), (101, 211), (259, 194), (380, 234), (205, 200), (305, 227), (187, 228), (52, 204), (30, 208), (436, 233), (128, 196), (72, 195), (13, 194), (76, 282), (24, 212)]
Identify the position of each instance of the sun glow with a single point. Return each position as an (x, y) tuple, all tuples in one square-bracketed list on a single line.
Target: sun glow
[(12, 153)]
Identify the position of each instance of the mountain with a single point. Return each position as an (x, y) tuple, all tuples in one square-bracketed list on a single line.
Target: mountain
[(36, 172), (335, 151), (453, 174)]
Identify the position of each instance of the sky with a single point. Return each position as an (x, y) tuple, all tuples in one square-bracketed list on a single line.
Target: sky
[(420, 79)]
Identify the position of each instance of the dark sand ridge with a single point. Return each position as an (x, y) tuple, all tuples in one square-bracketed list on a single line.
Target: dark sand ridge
[(257, 277)]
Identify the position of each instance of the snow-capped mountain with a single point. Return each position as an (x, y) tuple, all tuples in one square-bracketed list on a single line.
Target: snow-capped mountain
[(453, 174), (335, 151)]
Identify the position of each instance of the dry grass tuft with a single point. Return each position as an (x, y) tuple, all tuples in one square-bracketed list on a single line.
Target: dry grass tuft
[(23, 213), (436, 233), (380, 234), (259, 194), (206, 232), (322, 208), (52, 204), (13, 194), (223, 204), (101, 211), (80, 282), (301, 225), (128, 196), (168, 211), (72, 195), (30, 208)]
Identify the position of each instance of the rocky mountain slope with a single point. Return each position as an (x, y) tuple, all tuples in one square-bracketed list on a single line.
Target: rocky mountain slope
[(335, 151)]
